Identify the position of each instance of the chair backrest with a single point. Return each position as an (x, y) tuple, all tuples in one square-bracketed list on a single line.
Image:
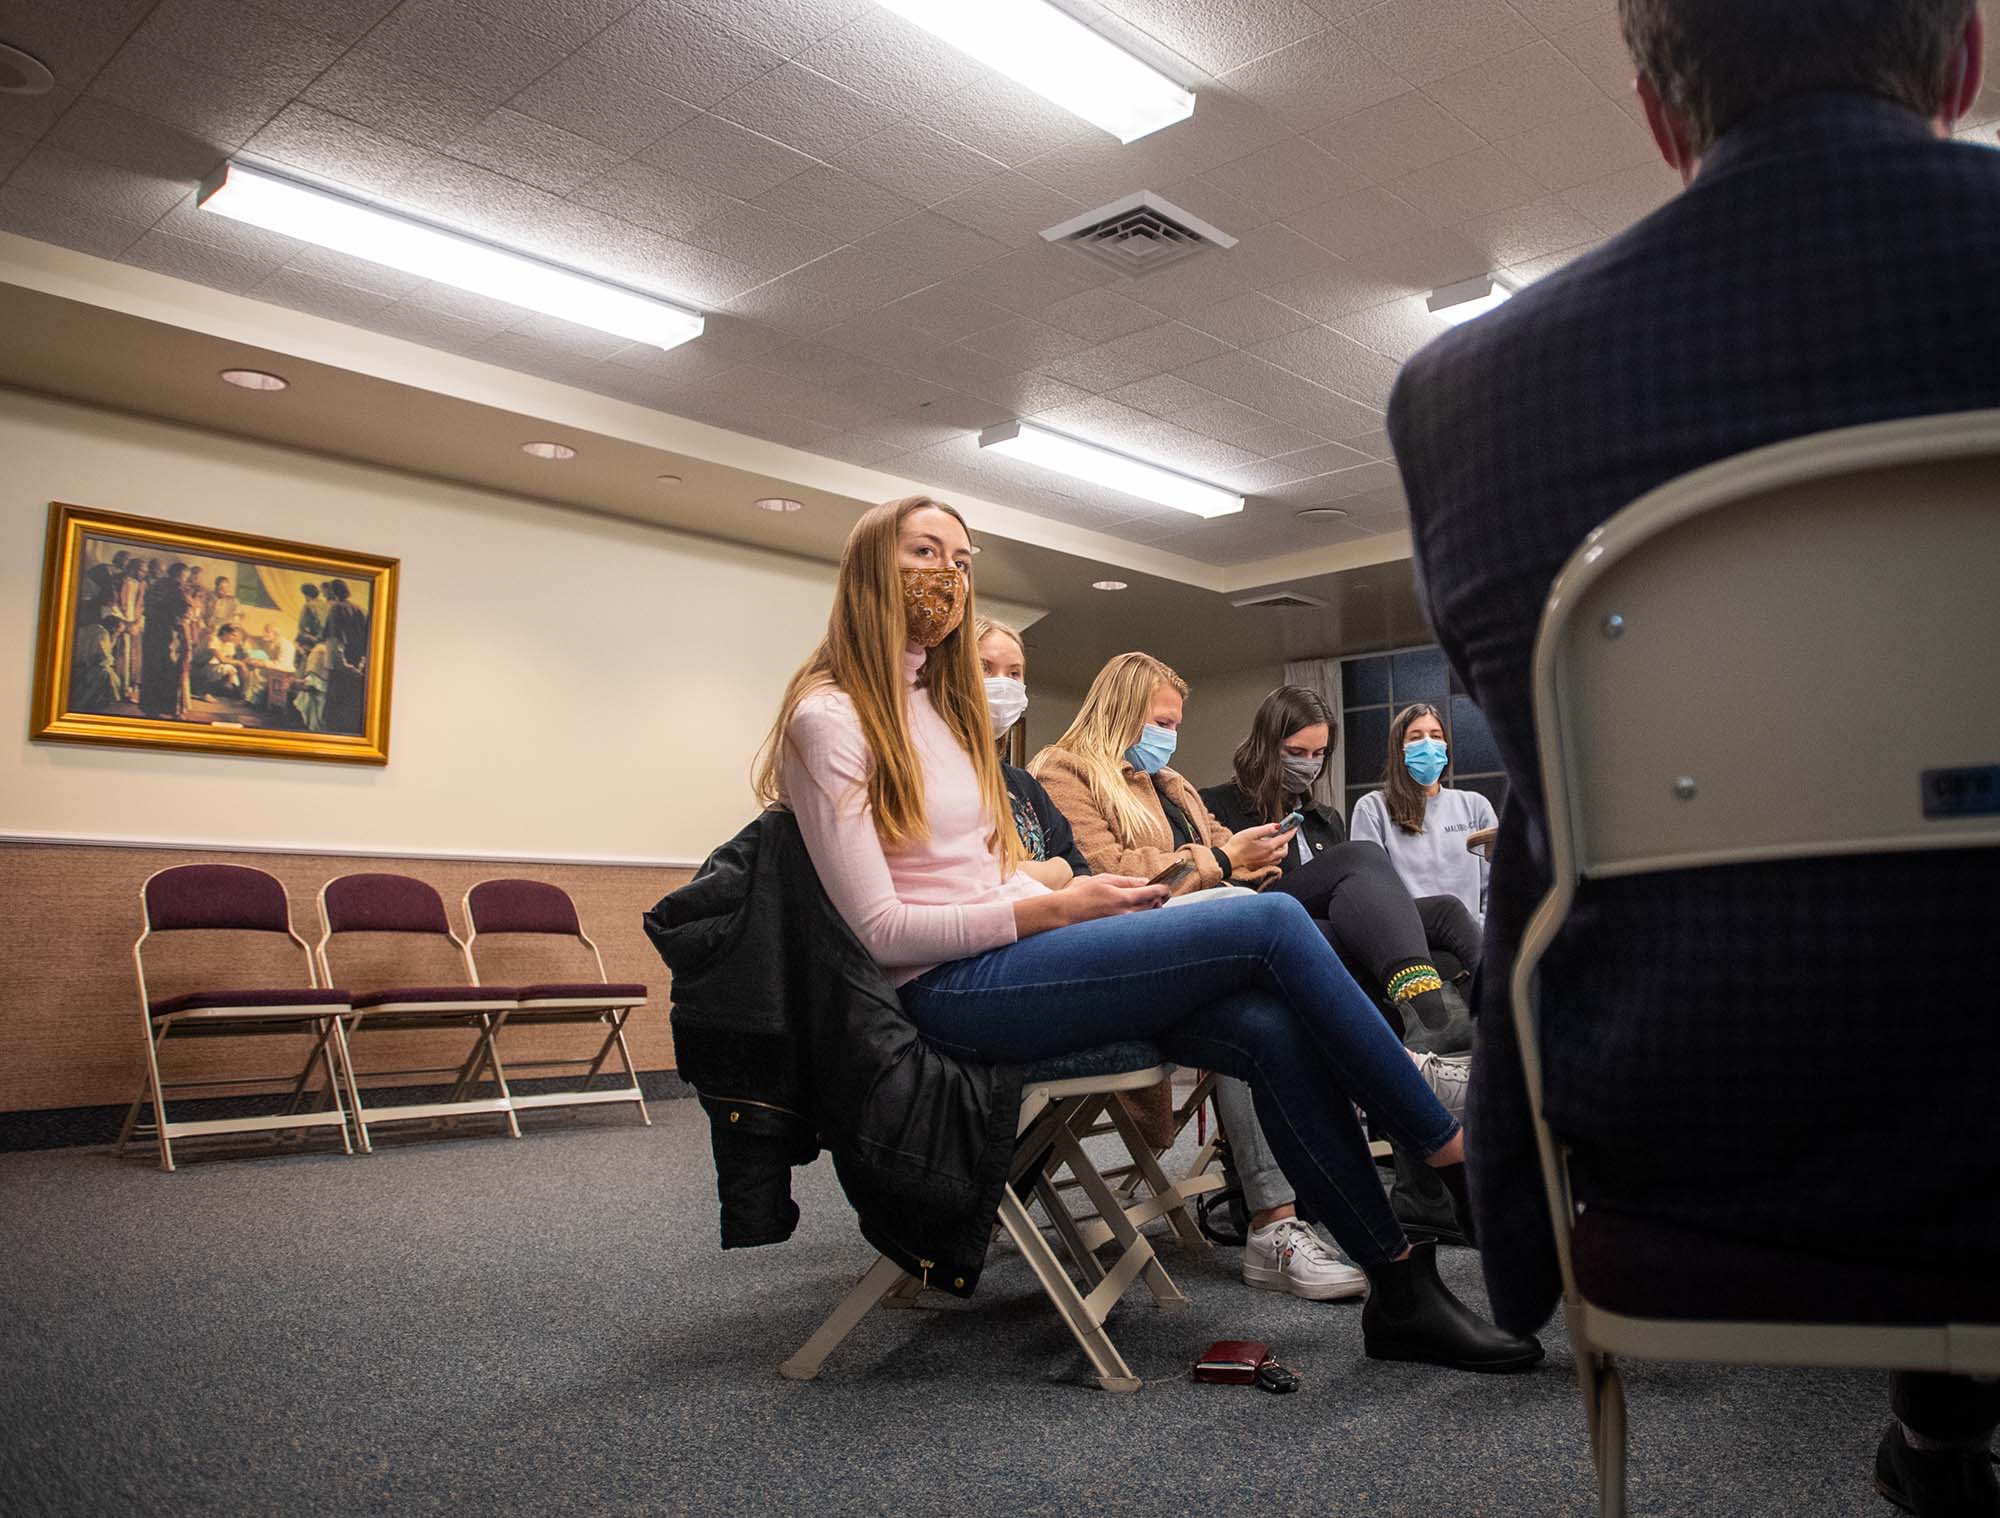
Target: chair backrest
[(1787, 654), (397, 927), (528, 915), (214, 898)]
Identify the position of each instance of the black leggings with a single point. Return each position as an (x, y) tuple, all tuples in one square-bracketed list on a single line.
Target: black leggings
[(1370, 919)]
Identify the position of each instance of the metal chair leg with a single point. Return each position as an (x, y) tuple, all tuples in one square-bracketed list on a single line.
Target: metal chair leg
[(881, 1278), (1108, 1366)]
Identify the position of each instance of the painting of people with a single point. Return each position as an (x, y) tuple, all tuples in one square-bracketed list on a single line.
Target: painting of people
[(182, 636)]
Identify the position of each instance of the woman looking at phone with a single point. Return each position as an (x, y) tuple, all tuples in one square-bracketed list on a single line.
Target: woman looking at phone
[(883, 749)]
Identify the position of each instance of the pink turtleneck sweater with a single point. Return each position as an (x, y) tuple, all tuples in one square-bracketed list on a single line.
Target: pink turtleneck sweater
[(927, 901)]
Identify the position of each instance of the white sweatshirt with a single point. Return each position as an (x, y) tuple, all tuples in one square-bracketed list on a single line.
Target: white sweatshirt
[(1434, 862)]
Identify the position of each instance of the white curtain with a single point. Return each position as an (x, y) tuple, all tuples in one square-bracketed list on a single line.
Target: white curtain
[(1322, 678)]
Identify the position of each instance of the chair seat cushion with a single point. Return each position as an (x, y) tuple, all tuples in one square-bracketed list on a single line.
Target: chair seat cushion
[(1652, 1269), (432, 995), (1110, 1059), (261, 996), (582, 990)]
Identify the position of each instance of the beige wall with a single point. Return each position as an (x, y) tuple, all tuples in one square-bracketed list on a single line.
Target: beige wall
[(565, 684), (1218, 718)]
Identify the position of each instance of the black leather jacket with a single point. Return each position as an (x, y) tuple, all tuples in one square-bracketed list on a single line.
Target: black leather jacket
[(794, 1039)]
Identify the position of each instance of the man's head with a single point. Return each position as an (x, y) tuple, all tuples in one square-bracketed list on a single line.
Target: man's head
[(1706, 64)]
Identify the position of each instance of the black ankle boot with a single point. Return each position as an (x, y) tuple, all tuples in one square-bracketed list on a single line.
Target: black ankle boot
[(1410, 1315), (1453, 1177)]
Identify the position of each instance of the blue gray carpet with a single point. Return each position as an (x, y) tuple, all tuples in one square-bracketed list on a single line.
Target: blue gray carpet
[(472, 1324)]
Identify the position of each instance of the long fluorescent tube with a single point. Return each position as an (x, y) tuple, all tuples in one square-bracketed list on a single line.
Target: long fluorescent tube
[(400, 242), (1057, 57), (1460, 303), (1100, 466)]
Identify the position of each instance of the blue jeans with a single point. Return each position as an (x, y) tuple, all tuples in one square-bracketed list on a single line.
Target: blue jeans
[(1246, 986)]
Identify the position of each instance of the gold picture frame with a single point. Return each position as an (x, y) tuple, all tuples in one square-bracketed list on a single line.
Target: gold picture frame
[(143, 641)]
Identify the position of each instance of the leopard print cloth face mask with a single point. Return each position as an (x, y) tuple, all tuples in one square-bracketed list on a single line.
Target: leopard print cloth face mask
[(933, 604)]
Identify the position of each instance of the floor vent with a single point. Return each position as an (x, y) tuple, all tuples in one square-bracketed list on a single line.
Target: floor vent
[(1139, 234), (1279, 598)]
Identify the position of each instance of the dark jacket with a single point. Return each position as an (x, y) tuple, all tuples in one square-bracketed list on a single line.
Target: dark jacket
[(1753, 1050), (1235, 811), (1040, 822), (794, 1039)]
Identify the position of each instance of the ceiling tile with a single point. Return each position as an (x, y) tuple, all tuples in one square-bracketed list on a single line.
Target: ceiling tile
[(1225, 126), (461, 45), (606, 97), (1528, 271), (1361, 222), (1598, 48), (1339, 363), (218, 107), (97, 129), (1098, 315), (835, 202), (933, 245), (533, 152), (1613, 203), (203, 263), (1216, 205), (465, 195), (1599, 140), (1316, 81), (1275, 255), (1223, 34), (805, 110), (684, 365), (880, 55), (568, 25), (1100, 369), (1389, 140), (1031, 278), (835, 408), (32, 115), (1399, 328), (1423, 40), (725, 157), (184, 220), (1023, 343), (1528, 231), (653, 198), (1279, 439), (1286, 177), (1248, 380), (678, 270), (947, 313), (1374, 444), (317, 296), (1508, 95), (754, 236), (1010, 208), (683, 54), (242, 40), (1244, 320), (922, 166), (1336, 292), (349, 20), (567, 336), (433, 329), (383, 92), (358, 272), (305, 138), (13, 148), (66, 223), (1170, 345), (1423, 263), (1550, 16), (783, 26), (1001, 119), (1474, 184), (1311, 463), (732, 337), (119, 193), (1193, 285), (74, 40)]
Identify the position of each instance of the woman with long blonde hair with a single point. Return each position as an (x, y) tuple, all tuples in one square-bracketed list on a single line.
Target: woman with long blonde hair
[(883, 749)]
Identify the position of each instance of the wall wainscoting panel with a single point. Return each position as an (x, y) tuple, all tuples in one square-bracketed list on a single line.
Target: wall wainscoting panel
[(70, 1030)]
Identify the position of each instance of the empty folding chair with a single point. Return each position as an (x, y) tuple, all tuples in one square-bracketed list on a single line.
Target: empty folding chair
[(400, 946), (213, 898), (544, 915)]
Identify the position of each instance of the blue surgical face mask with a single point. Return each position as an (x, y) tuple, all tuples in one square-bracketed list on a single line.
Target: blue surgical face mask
[(1425, 759), (1155, 747)]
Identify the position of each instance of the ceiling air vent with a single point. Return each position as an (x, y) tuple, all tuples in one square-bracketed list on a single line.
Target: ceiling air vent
[(1138, 234), (1278, 598)]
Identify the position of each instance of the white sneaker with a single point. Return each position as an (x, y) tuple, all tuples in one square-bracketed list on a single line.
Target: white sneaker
[(1288, 1256), (1449, 1076)]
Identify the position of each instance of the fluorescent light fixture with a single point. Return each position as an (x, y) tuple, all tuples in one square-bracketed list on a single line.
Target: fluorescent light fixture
[(399, 241), (1100, 466), (1459, 303), (1057, 57)]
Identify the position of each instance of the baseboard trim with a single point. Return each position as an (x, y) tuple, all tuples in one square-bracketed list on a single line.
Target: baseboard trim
[(344, 851), (74, 1127)]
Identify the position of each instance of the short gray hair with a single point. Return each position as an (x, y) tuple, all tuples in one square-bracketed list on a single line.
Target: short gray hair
[(1716, 61)]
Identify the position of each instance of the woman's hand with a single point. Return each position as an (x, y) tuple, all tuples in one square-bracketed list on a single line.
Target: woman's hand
[(1257, 848), (1085, 899)]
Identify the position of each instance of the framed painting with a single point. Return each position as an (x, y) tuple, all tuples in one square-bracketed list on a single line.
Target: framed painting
[(162, 635)]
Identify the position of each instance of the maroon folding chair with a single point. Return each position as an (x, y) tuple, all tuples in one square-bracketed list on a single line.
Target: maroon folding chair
[(212, 898), (545, 915), (447, 996)]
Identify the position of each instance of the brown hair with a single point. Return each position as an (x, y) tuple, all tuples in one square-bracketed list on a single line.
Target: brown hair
[(862, 657), (1405, 798), (1260, 774), (1716, 61)]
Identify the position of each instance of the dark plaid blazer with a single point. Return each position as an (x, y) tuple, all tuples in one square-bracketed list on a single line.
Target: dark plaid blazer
[(1804, 1053)]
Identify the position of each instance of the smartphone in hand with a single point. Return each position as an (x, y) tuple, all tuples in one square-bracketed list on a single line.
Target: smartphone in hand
[(1172, 876), (1291, 821)]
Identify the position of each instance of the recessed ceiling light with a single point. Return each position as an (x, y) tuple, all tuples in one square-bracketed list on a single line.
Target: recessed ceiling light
[(1059, 58), (1322, 514), (1086, 461), (977, 549), (669, 479), (549, 450), (779, 503), (399, 240), (1460, 303), (23, 73), (254, 379), (1109, 585)]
